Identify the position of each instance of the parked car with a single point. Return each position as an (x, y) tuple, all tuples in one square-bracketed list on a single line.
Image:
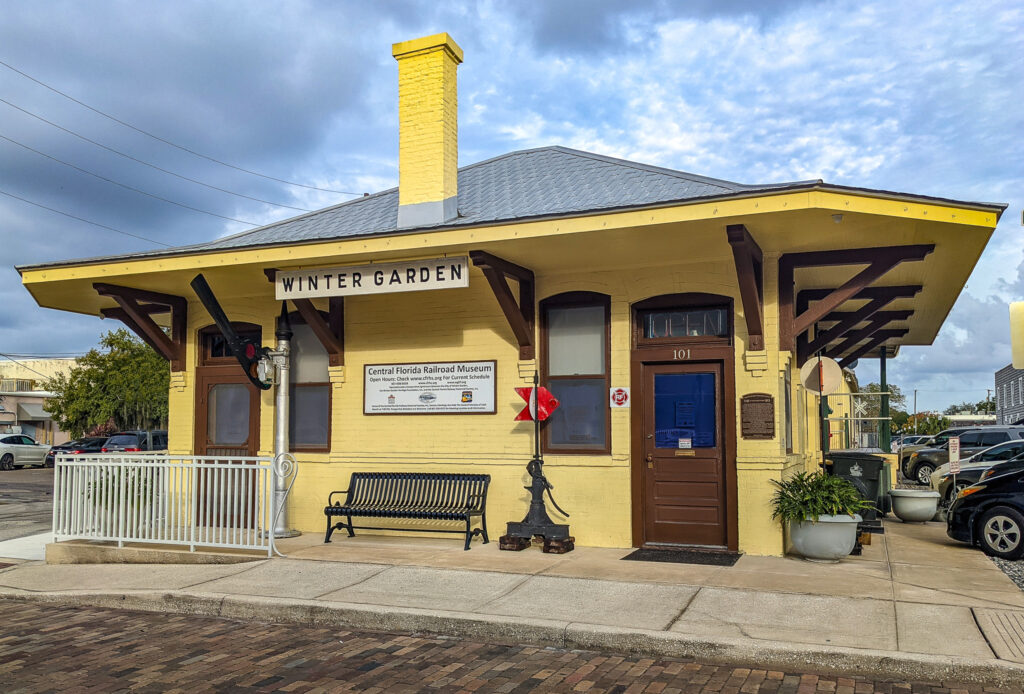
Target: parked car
[(1004, 468), (924, 461), (972, 468), (90, 444), (990, 514), (18, 450), (136, 441), (939, 439)]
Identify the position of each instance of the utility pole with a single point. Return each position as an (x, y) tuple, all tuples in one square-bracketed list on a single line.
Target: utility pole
[(915, 410)]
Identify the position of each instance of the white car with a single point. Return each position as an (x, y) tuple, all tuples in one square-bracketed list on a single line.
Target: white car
[(18, 450), (982, 460)]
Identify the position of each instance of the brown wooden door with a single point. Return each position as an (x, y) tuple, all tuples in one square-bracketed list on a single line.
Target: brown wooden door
[(227, 424), (684, 482), (227, 413)]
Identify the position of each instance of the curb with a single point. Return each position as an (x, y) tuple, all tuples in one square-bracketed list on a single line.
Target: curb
[(773, 655)]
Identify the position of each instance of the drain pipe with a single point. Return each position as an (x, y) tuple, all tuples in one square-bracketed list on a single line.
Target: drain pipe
[(282, 457)]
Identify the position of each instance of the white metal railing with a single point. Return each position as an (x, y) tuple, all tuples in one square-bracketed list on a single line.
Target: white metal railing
[(157, 498)]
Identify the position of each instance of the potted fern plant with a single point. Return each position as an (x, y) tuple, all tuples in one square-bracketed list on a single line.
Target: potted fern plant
[(821, 511)]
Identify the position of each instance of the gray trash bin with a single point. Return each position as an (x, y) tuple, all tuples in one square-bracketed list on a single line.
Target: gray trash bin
[(866, 472)]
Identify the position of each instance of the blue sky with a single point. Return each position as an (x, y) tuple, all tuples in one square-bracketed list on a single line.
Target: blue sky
[(914, 96)]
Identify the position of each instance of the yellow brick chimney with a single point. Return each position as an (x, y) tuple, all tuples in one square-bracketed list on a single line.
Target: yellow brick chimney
[(428, 131)]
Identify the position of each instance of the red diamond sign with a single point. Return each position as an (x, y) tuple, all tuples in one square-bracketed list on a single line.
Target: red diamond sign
[(539, 405)]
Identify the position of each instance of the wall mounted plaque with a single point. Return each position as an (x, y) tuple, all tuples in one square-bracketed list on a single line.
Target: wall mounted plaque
[(757, 416)]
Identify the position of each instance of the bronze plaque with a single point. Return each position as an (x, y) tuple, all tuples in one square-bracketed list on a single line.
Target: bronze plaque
[(757, 416)]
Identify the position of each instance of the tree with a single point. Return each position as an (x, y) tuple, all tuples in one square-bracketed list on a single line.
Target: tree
[(986, 406), (871, 406), (960, 408), (124, 382)]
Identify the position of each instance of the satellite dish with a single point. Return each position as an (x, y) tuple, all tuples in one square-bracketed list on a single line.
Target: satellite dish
[(831, 375)]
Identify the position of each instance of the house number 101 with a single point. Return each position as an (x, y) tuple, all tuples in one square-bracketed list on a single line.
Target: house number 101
[(680, 354)]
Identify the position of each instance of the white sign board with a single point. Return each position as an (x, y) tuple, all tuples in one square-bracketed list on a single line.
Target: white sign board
[(451, 387), (954, 454), (380, 278), (618, 397)]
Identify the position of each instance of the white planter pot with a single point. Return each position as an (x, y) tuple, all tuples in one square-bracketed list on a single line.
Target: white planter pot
[(914, 505), (829, 539)]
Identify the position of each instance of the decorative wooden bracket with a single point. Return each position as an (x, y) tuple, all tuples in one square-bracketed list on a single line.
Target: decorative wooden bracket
[(878, 260), (749, 271), (877, 322), (876, 341), (136, 308), (847, 321), (330, 332), (520, 316)]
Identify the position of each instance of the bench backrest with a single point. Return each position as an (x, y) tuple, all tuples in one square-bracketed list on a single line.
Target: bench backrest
[(418, 490)]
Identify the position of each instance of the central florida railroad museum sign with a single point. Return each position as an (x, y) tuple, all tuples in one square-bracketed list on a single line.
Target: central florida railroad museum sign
[(380, 278), (456, 387)]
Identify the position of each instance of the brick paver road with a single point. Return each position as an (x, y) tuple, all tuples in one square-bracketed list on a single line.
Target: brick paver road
[(68, 650)]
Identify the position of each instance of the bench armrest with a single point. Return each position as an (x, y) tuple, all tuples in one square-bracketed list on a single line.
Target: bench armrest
[(331, 495)]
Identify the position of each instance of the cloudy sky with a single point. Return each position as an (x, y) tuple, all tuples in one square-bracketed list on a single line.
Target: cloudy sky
[(920, 95)]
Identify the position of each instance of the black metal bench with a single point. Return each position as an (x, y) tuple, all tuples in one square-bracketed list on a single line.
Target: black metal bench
[(416, 495)]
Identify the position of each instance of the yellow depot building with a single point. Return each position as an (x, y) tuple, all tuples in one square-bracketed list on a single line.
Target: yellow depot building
[(670, 314)]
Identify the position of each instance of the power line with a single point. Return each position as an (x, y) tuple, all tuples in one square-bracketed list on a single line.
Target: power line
[(125, 185), (168, 142), (146, 163), (83, 219)]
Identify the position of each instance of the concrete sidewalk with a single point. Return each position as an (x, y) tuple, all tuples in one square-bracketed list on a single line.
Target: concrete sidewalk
[(915, 606)]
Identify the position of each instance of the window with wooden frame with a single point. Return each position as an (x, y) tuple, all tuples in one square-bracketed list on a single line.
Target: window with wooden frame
[(310, 410), (575, 367), (694, 318)]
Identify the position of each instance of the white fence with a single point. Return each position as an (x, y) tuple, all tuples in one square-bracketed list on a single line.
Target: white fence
[(156, 498)]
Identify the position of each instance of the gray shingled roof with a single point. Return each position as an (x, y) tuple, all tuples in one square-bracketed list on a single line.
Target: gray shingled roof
[(550, 181)]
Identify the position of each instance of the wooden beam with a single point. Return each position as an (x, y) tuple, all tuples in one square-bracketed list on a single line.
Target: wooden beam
[(852, 339), (136, 308), (852, 320), (897, 292), (875, 342), (879, 261), (521, 315), (749, 270), (332, 342), (121, 315)]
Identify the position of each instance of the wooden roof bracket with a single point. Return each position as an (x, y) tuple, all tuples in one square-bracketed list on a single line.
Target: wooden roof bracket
[(847, 321), (521, 315), (875, 342), (878, 321), (135, 308), (330, 332), (878, 260), (749, 272)]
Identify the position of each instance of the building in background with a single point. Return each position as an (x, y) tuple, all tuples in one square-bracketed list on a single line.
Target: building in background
[(1009, 395), (22, 398)]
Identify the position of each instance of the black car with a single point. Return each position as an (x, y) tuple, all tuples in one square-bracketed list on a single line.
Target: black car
[(974, 467), (991, 514), (1004, 468), (135, 441), (89, 444)]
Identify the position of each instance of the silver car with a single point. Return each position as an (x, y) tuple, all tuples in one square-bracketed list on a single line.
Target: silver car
[(18, 450)]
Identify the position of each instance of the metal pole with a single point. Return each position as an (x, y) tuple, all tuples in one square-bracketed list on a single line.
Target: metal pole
[(915, 410), (884, 432), (281, 420)]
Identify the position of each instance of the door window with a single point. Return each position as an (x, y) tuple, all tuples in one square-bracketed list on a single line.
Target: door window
[(227, 421), (684, 410)]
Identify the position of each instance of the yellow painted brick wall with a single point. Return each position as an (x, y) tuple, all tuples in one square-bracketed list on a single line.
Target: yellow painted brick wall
[(428, 123), (467, 324)]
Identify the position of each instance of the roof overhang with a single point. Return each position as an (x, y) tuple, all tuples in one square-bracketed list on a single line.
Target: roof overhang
[(812, 217)]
